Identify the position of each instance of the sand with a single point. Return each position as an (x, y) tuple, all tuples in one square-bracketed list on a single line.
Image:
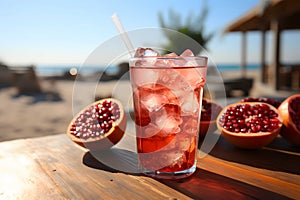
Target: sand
[(24, 116), (49, 113)]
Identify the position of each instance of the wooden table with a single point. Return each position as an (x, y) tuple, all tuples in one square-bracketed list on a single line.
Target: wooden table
[(53, 167)]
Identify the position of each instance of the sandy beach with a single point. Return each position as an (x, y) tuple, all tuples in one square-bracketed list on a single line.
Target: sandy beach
[(24, 116), (49, 113)]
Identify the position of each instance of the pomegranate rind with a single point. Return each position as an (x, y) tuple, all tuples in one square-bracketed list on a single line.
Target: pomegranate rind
[(289, 130), (209, 126), (249, 140), (272, 102), (111, 138)]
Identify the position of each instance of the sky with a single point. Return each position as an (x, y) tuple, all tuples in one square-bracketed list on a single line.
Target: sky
[(63, 32)]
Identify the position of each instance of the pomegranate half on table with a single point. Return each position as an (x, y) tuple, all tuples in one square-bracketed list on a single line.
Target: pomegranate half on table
[(249, 125), (290, 112), (98, 126)]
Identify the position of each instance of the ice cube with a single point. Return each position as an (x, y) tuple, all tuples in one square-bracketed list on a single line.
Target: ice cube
[(145, 52), (189, 103), (185, 145), (171, 159), (140, 78), (189, 62), (168, 118), (171, 55), (190, 126), (182, 61), (160, 159), (169, 124), (150, 99), (173, 80), (180, 143), (155, 94), (164, 122), (145, 63), (193, 76), (166, 63), (187, 52), (154, 102), (163, 63), (184, 142), (179, 159), (149, 131)]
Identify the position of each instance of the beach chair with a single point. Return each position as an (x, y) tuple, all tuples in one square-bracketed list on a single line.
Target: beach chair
[(6, 77), (25, 80), (243, 85)]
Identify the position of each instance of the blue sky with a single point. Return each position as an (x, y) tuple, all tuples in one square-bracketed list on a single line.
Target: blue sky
[(60, 32)]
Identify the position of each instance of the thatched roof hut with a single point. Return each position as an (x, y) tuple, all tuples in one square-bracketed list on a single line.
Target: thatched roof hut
[(275, 16)]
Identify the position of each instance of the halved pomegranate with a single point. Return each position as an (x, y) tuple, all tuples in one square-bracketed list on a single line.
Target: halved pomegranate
[(98, 126), (249, 125), (290, 112), (209, 113), (273, 102)]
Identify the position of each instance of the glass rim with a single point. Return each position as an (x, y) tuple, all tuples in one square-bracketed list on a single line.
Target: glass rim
[(170, 58)]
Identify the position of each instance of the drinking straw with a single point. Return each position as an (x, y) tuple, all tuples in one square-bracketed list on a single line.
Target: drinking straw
[(123, 34)]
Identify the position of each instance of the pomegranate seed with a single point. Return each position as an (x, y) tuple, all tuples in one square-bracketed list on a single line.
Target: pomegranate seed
[(96, 120), (243, 130), (247, 118)]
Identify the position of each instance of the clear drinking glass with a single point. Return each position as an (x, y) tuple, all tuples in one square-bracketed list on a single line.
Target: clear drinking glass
[(167, 96)]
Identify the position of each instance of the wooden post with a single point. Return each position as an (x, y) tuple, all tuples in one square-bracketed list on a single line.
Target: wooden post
[(263, 58), (276, 54), (244, 54)]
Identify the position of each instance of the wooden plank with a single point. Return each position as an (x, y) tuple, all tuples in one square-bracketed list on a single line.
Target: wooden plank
[(21, 177), (208, 185), (259, 180), (278, 173), (75, 176), (55, 168)]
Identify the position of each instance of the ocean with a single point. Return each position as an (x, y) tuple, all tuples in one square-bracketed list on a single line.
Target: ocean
[(58, 70)]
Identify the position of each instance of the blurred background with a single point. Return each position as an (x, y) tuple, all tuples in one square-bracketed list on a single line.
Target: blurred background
[(44, 43)]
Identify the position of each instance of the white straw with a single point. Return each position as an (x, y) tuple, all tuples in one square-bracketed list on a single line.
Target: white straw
[(123, 34)]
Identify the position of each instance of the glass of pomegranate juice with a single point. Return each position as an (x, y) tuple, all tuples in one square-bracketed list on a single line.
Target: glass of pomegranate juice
[(167, 96)]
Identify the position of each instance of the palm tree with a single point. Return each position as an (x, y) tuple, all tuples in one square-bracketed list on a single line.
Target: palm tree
[(194, 27)]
